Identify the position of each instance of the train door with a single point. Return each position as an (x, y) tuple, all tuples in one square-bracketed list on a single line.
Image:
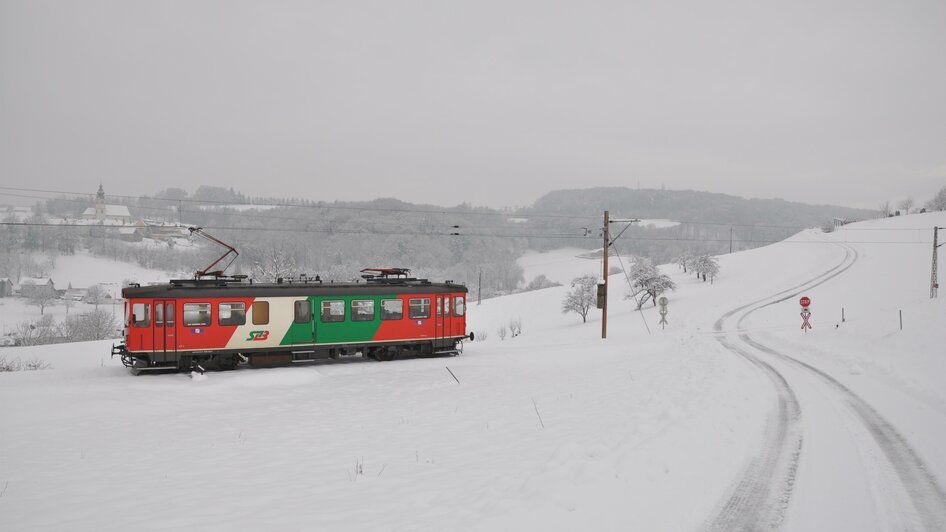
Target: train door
[(441, 328), (447, 317), (140, 330), (165, 333), (459, 313), (302, 330)]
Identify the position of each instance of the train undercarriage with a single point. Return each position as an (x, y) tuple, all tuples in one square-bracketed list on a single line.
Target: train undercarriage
[(201, 361)]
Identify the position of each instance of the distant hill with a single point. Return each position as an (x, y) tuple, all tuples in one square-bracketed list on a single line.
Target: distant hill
[(691, 205), (708, 221)]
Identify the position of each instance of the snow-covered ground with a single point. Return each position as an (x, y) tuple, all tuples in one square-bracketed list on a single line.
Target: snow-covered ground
[(730, 418), (81, 271)]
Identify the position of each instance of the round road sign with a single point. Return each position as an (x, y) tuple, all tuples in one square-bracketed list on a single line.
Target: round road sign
[(805, 302), (662, 301)]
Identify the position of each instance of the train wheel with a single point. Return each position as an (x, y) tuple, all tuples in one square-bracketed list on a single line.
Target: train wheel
[(386, 354)]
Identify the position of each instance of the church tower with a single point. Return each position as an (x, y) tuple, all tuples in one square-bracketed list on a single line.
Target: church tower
[(100, 203)]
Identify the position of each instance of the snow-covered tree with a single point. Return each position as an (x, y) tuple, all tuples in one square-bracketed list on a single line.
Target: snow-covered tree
[(938, 203), (706, 266), (582, 297), (646, 279), (275, 264), (683, 261)]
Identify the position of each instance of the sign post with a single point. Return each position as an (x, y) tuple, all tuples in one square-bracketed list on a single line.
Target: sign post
[(805, 313), (663, 312)]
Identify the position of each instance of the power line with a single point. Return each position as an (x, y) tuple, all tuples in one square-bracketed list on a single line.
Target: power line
[(478, 235), (373, 209)]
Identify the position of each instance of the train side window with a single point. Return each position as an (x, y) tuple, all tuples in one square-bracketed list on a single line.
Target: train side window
[(196, 314), (439, 307), (231, 314), (459, 306), (446, 306), (301, 310), (170, 314), (261, 313), (418, 308), (159, 314), (362, 310), (333, 311), (141, 314), (392, 309)]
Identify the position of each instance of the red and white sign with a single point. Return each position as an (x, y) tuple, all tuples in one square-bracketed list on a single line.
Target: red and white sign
[(805, 325), (805, 302)]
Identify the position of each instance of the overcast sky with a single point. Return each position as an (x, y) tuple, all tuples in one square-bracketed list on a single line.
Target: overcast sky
[(492, 103)]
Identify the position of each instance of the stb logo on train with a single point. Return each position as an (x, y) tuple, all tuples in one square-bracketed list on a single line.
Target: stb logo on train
[(258, 336)]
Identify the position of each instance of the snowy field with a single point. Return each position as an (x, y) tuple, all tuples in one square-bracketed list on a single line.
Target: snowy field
[(81, 271), (730, 418)]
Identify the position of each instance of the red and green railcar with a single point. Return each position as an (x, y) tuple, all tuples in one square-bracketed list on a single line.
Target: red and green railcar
[(220, 323)]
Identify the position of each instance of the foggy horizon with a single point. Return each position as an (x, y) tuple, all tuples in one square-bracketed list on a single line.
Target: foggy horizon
[(491, 104)]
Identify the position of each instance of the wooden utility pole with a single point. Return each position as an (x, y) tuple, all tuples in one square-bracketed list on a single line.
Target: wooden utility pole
[(934, 282), (605, 252), (479, 289)]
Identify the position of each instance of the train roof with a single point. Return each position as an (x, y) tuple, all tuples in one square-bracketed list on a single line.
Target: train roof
[(190, 288)]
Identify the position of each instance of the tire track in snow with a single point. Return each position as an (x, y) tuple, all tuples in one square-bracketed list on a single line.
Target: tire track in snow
[(925, 494), (759, 500)]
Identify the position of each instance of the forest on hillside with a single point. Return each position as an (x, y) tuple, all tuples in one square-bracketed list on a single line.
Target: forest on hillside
[(282, 237)]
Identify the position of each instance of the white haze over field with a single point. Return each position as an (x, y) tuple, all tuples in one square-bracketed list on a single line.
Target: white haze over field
[(487, 102), (679, 428)]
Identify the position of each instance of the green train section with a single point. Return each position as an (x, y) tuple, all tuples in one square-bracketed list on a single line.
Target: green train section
[(346, 331)]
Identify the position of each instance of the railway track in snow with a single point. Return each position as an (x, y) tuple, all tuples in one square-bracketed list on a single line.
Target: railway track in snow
[(760, 499)]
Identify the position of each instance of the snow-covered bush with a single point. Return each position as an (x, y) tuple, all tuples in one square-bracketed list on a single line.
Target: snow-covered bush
[(93, 325), (540, 282), (17, 365), (515, 327)]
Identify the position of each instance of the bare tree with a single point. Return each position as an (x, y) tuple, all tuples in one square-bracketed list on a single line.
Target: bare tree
[(938, 203), (38, 333), (582, 296), (275, 264), (885, 209), (906, 205), (96, 324), (95, 295), (43, 297)]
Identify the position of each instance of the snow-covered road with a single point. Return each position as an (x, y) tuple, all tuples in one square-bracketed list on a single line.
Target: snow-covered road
[(876, 480)]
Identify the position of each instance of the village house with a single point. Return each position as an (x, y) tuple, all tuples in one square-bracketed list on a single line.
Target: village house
[(6, 287), (32, 285)]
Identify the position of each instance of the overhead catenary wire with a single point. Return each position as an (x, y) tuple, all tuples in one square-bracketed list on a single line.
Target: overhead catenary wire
[(86, 197), (455, 234)]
